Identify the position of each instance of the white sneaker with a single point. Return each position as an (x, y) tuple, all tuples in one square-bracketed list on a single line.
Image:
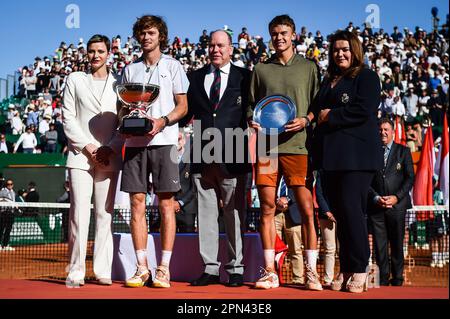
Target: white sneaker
[(312, 279), (433, 263), (440, 264), (9, 248), (268, 280), (140, 278)]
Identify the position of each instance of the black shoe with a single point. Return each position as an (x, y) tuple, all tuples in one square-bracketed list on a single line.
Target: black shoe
[(235, 280), (205, 280), (396, 282)]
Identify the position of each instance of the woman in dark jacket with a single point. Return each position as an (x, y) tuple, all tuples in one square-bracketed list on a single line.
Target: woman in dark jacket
[(348, 148)]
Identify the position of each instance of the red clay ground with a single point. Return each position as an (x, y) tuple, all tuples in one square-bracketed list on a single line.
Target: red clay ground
[(39, 289)]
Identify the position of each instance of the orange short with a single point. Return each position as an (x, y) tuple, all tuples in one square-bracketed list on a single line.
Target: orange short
[(293, 167)]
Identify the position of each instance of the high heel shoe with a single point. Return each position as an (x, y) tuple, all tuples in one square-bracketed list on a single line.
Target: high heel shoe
[(358, 283), (340, 281)]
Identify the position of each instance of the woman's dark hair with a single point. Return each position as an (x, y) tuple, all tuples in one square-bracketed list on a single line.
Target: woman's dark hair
[(357, 54), (96, 38)]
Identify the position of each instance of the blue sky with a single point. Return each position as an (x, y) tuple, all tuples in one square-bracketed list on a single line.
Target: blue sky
[(35, 28)]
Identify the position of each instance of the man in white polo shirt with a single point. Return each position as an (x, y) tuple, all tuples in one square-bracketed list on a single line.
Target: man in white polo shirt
[(150, 154)]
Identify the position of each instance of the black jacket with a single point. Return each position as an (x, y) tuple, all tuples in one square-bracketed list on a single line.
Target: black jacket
[(231, 113), (396, 179), (350, 139), (186, 193)]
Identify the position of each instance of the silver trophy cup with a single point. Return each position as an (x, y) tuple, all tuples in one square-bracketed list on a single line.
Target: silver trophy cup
[(138, 97)]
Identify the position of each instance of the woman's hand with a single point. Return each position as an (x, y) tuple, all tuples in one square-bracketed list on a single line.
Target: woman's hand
[(323, 116)]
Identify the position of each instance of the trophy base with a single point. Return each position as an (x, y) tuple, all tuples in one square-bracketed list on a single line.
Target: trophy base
[(136, 126)]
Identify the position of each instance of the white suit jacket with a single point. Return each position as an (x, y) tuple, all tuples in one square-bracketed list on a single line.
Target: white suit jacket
[(86, 119)]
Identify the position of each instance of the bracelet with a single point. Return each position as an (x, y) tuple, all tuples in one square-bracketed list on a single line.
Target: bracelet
[(166, 120), (308, 122)]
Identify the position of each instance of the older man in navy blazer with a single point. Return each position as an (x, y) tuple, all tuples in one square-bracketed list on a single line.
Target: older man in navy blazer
[(217, 97)]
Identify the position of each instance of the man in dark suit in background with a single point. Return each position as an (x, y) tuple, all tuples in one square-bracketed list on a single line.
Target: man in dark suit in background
[(388, 201), (217, 97), (33, 195), (185, 200), (288, 222)]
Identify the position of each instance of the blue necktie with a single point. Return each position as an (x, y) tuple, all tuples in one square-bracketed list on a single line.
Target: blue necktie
[(283, 189)]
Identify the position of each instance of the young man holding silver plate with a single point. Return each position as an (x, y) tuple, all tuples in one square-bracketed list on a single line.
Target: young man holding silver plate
[(151, 153), (285, 75)]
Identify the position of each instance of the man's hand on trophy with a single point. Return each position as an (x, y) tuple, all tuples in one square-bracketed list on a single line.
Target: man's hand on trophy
[(158, 125), (254, 125), (296, 124), (102, 155)]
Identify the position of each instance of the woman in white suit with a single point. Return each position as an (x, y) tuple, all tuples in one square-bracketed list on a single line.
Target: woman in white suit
[(90, 123)]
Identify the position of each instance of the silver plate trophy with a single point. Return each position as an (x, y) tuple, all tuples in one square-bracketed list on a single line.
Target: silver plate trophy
[(138, 97), (273, 112)]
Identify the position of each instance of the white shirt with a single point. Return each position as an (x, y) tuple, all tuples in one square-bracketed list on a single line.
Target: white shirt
[(241, 64), (28, 140), (16, 125), (172, 79), (99, 86), (224, 74), (434, 59), (398, 108), (3, 147), (43, 127)]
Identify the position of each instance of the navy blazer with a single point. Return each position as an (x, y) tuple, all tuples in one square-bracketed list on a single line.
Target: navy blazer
[(231, 113), (187, 193), (396, 179), (350, 139), (321, 196)]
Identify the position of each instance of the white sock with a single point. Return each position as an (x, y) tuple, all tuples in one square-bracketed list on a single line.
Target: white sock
[(269, 258), (434, 256), (141, 256), (311, 257), (165, 258)]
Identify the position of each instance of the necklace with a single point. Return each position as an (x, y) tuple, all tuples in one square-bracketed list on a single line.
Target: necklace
[(148, 68)]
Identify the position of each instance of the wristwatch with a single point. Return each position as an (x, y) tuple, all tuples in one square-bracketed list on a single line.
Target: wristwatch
[(166, 120), (308, 122)]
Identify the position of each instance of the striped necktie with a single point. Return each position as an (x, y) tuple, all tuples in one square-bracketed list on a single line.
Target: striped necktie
[(214, 93), (283, 189), (386, 154)]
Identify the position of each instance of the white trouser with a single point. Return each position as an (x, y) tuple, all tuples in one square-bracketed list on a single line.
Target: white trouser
[(83, 184), (328, 229)]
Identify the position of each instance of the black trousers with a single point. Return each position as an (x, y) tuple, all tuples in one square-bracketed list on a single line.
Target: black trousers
[(388, 227), (6, 223), (185, 222), (347, 193)]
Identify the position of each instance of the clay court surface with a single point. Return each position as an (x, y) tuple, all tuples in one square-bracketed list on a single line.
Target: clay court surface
[(50, 260), (56, 289), (38, 272)]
